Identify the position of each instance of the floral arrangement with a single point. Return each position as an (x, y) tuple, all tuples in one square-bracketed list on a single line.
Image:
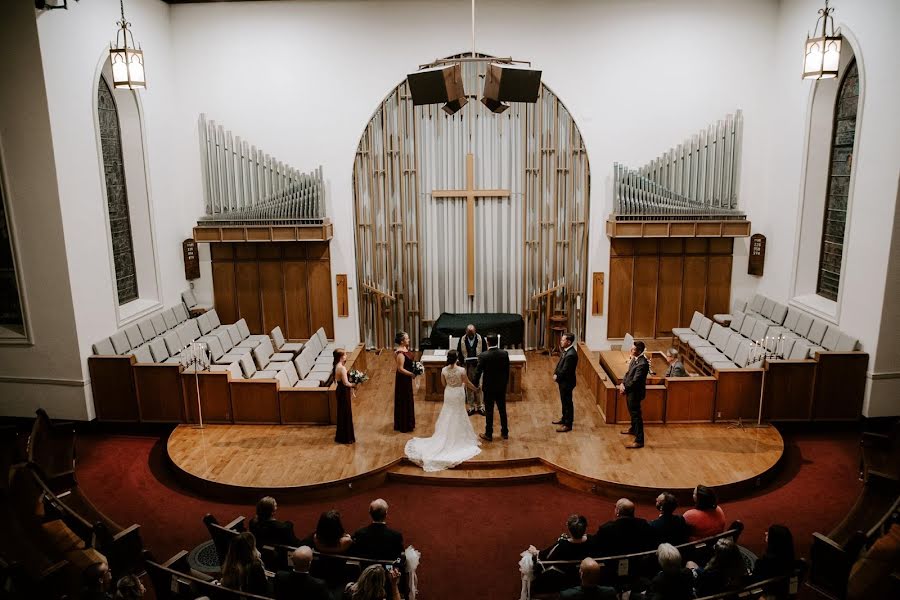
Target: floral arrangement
[(357, 377), (418, 368)]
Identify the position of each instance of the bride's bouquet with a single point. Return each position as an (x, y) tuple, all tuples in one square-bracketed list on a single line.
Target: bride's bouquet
[(357, 377), (418, 368)]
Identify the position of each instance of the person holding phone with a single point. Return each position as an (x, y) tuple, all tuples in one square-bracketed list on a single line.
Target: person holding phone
[(374, 583)]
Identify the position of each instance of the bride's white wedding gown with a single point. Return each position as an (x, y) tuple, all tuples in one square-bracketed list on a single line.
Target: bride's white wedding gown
[(454, 440)]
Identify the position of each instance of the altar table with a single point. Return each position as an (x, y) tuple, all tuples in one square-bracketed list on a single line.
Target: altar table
[(433, 363)]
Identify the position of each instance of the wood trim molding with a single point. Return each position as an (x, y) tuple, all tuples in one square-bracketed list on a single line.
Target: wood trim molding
[(45, 381)]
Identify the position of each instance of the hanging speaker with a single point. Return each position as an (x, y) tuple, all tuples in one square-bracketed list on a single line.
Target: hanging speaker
[(437, 85), (510, 83)]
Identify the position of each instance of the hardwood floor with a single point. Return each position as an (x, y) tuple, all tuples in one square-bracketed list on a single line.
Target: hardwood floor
[(592, 457)]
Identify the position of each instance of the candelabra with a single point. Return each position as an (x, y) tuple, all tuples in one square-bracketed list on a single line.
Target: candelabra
[(196, 357)]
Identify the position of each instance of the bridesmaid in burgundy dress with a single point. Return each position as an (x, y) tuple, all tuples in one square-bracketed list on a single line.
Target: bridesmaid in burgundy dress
[(344, 434), (404, 412)]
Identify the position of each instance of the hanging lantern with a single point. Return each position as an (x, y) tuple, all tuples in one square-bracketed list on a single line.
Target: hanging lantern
[(126, 58), (822, 54)]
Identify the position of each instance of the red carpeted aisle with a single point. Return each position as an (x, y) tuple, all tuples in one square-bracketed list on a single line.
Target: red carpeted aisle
[(470, 538)]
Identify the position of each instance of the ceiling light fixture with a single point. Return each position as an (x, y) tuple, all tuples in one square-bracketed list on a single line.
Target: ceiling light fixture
[(127, 58), (822, 54)]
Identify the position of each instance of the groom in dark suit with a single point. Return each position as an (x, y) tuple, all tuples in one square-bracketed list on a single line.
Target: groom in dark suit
[(494, 366), (564, 376)]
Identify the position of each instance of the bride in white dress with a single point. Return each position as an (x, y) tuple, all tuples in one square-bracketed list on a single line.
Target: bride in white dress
[(454, 440)]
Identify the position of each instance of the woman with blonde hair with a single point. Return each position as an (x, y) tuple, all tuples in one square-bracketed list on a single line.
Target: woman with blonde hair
[(243, 569), (373, 584)]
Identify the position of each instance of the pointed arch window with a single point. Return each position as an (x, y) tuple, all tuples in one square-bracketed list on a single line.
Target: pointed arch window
[(116, 195), (836, 200)]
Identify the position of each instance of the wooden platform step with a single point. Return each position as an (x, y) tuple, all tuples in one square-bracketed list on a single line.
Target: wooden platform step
[(474, 474)]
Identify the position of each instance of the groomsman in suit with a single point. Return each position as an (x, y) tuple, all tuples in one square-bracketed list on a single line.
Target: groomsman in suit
[(634, 386), (564, 376), (494, 366)]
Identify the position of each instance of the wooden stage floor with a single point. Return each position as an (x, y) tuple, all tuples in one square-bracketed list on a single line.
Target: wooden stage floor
[(244, 460)]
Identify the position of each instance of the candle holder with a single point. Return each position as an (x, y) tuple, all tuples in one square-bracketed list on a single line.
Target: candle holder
[(196, 357)]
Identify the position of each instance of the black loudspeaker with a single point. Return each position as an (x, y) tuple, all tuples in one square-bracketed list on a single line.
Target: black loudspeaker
[(437, 85), (508, 83)]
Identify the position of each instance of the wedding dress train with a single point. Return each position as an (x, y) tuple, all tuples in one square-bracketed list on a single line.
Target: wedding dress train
[(454, 440)]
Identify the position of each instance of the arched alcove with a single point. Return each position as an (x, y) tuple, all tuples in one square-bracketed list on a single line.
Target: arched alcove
[(126, 195), (530, 225), (834, 119)]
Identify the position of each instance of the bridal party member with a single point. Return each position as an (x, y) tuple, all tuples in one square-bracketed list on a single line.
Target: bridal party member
[(344, 434), (404, 412)]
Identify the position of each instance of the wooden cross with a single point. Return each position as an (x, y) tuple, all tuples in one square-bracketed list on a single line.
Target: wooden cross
[(470, 194)]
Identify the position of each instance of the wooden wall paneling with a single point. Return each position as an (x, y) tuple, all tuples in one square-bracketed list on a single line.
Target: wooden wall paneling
[(721, 246), (840, 385), (690, 399), (643, 311), (296, 301), (159, 395), (696, 246), (343, 296), (668, 304), (249, 306), (112, 387), (718, 285), (225, 290), (602, 388), (319, 284), (215, 396), (693, 296), (788, 390), (271, 291), (737, 394), (305, 406), (621, 273), (255, 401)]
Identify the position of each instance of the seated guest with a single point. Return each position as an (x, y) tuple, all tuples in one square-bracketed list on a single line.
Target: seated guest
[(669, 527), (329, 537), (706, 518), (268, 530), (673, 582), (724, 572), (374, 583), (626, 534), (778, 558), (297, 583), (97, 579), (377, 540), (591, 574), (870, 575), (676, 367), (243, 568), (572, 546), (130, 588)]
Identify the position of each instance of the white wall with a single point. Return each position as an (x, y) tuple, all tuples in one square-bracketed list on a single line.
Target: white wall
[(302, 79), (74, 45), (865, 297), (45, 371)]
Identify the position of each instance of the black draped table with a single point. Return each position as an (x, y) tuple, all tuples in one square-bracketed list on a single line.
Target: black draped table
[(509, 326)]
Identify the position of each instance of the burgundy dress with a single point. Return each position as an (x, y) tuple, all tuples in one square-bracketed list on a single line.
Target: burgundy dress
[(344, 434), (404, 411)]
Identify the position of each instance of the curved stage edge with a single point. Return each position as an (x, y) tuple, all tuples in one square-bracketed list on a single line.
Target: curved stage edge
[(489, 471)]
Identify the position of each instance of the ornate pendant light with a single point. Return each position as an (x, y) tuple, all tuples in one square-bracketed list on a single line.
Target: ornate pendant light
[(126, 58), (822, 54)]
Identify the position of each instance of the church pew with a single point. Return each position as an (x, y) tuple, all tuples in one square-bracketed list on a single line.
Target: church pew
[(215, 396), (592, 375), (159, 395), (221, 535), (112, 387), (255, 401), (840, 385), (653, 407), (172, 580), (51, 449), (788, 390)]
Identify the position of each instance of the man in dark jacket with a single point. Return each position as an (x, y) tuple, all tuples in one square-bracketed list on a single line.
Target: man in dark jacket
[(298, 583), (626, 534), (493, 365), (376, 540), (591, 573), (268, 530), (564, 376), (634, 386)]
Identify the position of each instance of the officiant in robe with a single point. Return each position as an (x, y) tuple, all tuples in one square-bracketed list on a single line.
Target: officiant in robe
[(469, 347)]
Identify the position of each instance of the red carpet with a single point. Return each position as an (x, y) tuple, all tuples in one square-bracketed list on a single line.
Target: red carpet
[(470, 538)]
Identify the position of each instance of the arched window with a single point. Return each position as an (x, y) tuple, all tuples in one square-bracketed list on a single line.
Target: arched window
[(842, 137), (116, 195)]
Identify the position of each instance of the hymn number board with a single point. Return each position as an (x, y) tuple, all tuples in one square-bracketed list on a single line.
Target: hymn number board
[(757, 258), (191, 259)]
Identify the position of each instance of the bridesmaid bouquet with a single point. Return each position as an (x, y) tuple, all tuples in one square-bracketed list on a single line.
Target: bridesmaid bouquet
[(356, 376), (418, 368)]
